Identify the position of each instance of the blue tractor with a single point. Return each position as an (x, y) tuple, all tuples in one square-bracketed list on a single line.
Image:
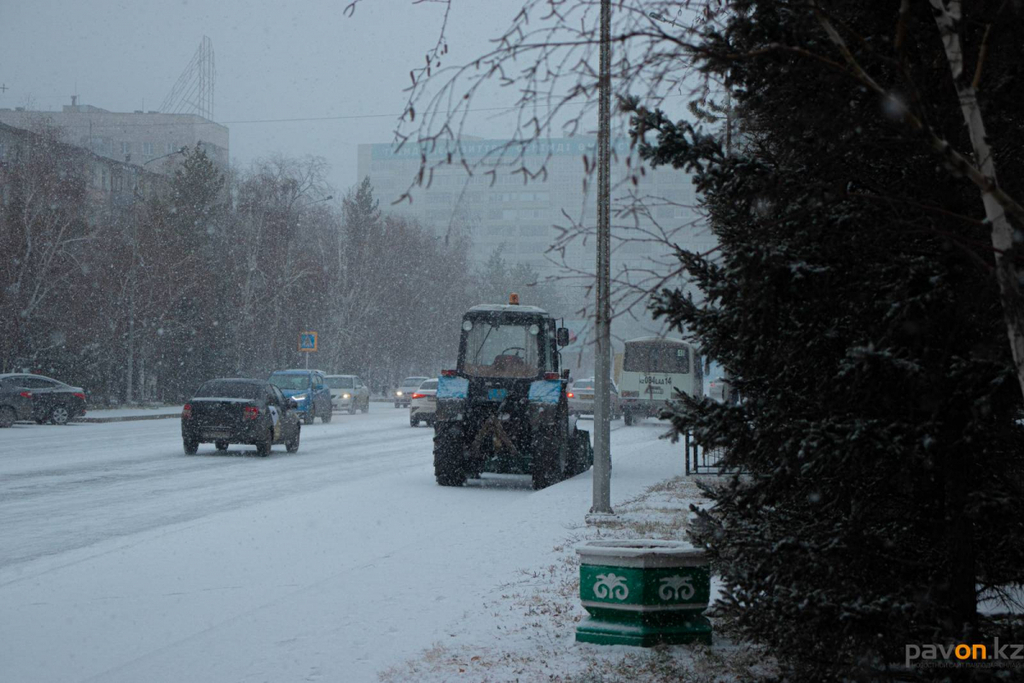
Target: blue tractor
[(504, 409)]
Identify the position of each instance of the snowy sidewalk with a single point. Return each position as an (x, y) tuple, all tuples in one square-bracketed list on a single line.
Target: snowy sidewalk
[(524, 630)]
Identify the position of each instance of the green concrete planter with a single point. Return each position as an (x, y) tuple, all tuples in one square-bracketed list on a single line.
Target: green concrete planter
[(644, 593)]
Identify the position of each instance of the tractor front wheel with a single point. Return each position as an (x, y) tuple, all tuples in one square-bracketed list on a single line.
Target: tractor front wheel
[(550, 464), (582, 453)]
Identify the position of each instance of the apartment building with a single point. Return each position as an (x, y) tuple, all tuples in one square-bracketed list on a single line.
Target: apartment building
[(138, 137), (111, 185)]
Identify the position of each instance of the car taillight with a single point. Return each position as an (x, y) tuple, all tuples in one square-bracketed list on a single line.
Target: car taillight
[(26, 394), (552, 375), (250, 412), (79, 394), (449, 373), (418, 396), (570, 394), (186, 412)]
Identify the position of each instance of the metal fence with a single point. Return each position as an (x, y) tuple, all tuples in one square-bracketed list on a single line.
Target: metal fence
[(700, 460)]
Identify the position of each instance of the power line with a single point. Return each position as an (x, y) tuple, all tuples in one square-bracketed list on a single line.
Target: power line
[(303, 119), (381, 116)]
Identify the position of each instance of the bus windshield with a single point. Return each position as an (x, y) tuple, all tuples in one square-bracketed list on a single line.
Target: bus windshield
[(656, 357)]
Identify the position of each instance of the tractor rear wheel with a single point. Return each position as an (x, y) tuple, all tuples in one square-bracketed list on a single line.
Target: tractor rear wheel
[(449, 468)]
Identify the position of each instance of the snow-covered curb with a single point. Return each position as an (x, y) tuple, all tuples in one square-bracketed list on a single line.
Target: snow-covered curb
[(533, 619), (101, 416)]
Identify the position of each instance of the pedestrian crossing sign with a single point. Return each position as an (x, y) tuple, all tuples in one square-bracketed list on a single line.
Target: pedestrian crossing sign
[(307, 341)]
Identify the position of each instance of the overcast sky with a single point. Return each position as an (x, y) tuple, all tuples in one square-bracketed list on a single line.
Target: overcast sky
[(274, 60)]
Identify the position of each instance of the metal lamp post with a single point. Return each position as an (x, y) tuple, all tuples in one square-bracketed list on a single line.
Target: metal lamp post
[(602, 365), (315, 201), (133, 268)]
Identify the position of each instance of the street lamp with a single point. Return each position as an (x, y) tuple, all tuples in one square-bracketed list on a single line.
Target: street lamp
[(182, 150), (658, 16), (132, 275)]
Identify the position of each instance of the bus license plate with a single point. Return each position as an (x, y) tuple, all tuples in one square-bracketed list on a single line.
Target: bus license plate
[(496, 394)]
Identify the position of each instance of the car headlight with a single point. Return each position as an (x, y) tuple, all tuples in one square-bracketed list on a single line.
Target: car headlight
[(346, 396), (399, 393), (300, 397)]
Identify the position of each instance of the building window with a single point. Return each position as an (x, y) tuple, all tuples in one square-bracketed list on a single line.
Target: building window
[(126, 148), (147, 149), (168, 147)]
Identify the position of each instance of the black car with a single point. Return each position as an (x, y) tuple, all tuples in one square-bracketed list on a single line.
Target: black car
[(15, 402), (240, 411), (52, 400)]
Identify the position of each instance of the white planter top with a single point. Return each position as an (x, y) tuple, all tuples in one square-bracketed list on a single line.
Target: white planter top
[(641, 552)]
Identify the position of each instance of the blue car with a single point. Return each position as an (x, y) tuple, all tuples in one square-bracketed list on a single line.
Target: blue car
[(309, 390)]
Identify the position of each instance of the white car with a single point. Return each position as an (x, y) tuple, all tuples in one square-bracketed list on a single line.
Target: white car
[(406, 389), (718, 389), (348, 393), (581, 398), (423, 403)]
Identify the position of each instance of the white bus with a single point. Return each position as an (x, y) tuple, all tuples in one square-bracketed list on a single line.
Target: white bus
[(652, 368)]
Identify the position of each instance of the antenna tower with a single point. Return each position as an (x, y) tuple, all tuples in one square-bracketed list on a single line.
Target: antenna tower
[(193, 93)]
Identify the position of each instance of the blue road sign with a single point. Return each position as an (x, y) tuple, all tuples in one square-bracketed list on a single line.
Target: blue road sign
[(307, 341)]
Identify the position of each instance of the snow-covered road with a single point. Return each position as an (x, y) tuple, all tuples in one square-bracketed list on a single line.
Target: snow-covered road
[(121, 559)]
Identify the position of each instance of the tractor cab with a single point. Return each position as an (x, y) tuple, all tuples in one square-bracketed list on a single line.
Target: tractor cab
[(509, 342)]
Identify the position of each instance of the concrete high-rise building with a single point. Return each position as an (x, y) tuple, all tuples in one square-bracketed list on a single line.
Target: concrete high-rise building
[(136, 137), (499, 210)]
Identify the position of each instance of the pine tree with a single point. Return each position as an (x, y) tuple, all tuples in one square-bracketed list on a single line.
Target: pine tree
[(853, 302)]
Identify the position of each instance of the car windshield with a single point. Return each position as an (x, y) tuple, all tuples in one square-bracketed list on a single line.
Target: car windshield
[(412, 382), (495, 350), (584, 384), (429, 385), (290, 382), (220, 388), (340, 382)]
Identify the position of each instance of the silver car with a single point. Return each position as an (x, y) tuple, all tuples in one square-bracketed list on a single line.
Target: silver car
[(581, 398), (348, 393), (404, 392)]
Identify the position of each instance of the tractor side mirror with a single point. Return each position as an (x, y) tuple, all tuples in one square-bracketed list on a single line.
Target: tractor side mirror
[(565, 374), (562, 336)]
